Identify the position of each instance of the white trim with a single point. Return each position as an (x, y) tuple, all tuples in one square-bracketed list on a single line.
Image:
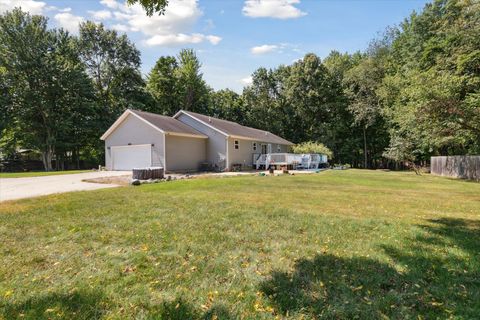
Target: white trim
[(186, 135), (227, 166), (149, 123), (288, 143), (164, 153), (132, 145), (130, 112), (259, 140), (122, 118), (115, 124), (202, 122)]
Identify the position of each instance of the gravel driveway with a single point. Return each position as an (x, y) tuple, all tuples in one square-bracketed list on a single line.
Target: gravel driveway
[(18, 188)]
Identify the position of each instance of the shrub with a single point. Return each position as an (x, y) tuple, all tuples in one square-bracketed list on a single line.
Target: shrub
[(312, 147)]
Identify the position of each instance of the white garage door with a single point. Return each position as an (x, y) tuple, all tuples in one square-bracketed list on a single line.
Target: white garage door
[(133, 156)]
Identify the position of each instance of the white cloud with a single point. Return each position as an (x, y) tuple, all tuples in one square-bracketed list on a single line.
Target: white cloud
[(172, 28), (247, 81), (120, 27), (181, 39), (68, 21), (266, 48), (100, 15), (279, 9), (31, 6), (112, 4)]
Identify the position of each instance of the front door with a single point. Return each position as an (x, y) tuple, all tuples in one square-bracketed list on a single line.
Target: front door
[(264, 149)]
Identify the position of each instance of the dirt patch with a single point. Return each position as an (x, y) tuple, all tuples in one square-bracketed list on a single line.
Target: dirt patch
[(118, 180)]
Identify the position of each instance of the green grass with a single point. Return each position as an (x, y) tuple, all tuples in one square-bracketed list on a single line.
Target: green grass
[(334, 245), (38, 173)]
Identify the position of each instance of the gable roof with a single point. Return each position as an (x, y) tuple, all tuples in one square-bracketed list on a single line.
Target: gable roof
[(163, 124), (234, 129)]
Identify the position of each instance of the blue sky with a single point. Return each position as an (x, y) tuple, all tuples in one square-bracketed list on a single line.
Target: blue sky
[(233, 38)]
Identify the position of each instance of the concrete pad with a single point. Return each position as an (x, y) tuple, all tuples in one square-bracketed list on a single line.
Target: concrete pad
[(28, 187)]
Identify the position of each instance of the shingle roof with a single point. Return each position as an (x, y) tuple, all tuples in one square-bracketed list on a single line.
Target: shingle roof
[(167, 124), (235, 129)]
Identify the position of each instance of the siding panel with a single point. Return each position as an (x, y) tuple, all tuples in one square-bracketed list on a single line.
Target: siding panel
[(216, 144), (184, 153)]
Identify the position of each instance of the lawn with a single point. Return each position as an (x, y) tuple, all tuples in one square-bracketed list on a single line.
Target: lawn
[(38, 173), (334, 245)]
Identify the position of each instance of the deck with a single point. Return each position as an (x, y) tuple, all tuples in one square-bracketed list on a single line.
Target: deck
[(295, 161)]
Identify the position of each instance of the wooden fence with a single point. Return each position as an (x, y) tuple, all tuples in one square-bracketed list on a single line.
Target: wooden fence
[(463, 167)]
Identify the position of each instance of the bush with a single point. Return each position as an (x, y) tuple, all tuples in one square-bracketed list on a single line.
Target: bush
[(312, 147)]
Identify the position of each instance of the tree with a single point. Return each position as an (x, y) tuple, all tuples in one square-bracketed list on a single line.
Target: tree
[(227, 104), (192, 88), (163, 85), (264, 100), (47, 83), (151, 6), (361, 84), (113, 63), (431, 92), (312, 147)]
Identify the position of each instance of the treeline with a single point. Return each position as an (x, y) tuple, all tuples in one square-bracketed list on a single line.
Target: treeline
[(414, 93)]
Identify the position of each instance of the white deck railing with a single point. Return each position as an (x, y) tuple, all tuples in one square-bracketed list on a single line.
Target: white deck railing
[(303, 161)]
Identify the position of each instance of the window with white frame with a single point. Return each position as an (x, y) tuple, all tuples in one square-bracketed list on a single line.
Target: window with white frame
[(254, 146), (236, 144), (279, 148)]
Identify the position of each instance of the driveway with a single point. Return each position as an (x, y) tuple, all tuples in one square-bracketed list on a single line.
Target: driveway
[(18, 188)]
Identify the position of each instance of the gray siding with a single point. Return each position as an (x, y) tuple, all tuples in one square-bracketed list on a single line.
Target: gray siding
[(185, 153), (216, 143), (244, 155), (135, 131)]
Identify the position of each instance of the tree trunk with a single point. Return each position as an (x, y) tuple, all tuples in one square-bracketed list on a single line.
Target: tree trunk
[(47, 156), (48, 152), (77, 157), (365, 147)]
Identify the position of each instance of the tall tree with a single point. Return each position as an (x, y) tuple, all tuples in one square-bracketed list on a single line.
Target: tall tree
[(192, 88), (113, 63), (431, 93), (227, 104), (163, 85), (362, 82), (47, 82)]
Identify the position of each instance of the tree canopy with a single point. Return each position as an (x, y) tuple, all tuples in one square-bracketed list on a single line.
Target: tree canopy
[(413, 93)]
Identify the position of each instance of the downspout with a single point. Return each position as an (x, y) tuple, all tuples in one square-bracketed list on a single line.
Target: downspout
[(226, 156), (164, 153)]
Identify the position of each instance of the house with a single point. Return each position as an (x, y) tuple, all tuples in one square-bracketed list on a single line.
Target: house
[(185, 142)]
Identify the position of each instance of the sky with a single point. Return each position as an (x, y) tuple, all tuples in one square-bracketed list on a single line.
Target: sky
[(233, 38)]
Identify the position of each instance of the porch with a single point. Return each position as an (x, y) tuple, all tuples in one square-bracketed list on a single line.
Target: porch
[(289, 160)]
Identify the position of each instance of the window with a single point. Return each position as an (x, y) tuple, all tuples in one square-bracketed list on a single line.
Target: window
[(236, 145), (279, 148), (254, 146)]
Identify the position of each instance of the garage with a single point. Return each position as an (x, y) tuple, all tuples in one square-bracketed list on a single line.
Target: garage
[(141, 139), (131, 156)]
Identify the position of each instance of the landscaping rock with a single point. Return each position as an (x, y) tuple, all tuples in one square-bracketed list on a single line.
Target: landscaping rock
[(135, 182)]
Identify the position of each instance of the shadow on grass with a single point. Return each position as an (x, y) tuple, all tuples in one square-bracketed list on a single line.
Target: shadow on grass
[(77, 305), (180, 309), (93, 305), (436, 282)]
